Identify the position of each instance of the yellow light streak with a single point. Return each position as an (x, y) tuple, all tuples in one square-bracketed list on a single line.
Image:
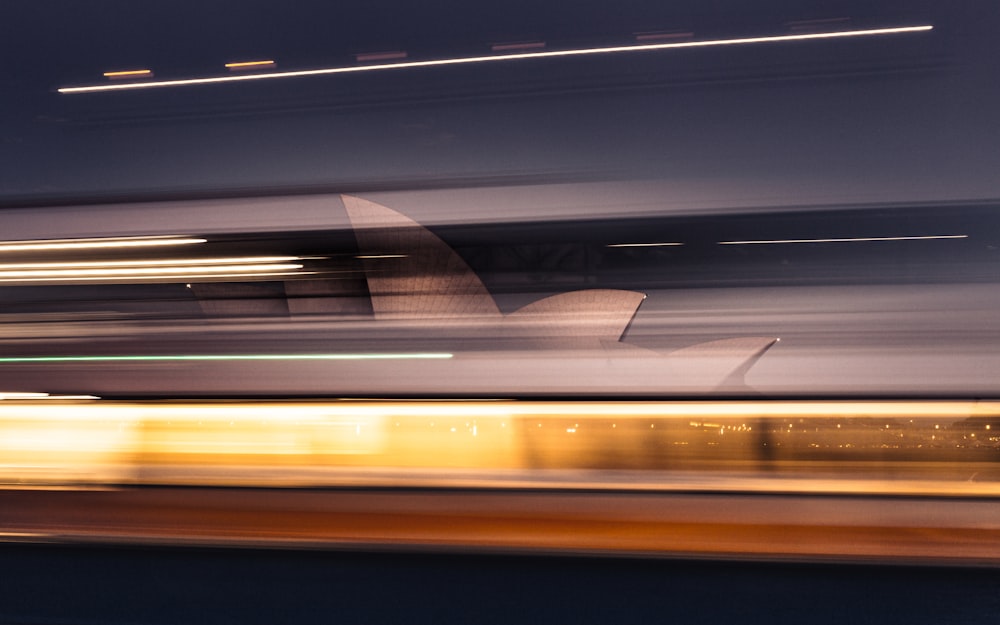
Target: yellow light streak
[(285, 442), (96, 243), (494, 58), (250, 64), (130, 73), (850, 240)]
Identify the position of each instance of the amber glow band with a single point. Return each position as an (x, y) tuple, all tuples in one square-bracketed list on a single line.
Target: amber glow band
[(496, 58)]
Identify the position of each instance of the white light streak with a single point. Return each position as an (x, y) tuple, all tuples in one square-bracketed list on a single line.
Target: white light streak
[(852, 240), (143, 271), (19, 396), (159, 278), (95, 243), (377, 256), (154, 263), (231, 357), (669, 244), (495, 58)]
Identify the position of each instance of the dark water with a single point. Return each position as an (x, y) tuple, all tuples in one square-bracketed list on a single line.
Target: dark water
[(58, 584)]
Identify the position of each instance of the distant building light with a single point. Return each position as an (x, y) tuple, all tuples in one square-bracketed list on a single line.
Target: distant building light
[(249, 65), (129, 73), (518, 45), (675, 35), (368, 57), (817, 25)]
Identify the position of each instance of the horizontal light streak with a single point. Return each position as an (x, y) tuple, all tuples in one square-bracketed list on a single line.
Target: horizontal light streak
[(846, 240), (144, 271), (679, 410), (494, 58), (670, 410), (158, 278), (683, 410), (229, 357), (96, 243), (250, 64), (377, 256), (666, 244), (155, 263), (129, 73), (21, 395), (42, 397)]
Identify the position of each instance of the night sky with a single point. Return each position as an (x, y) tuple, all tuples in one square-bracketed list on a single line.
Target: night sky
[(902, 118)]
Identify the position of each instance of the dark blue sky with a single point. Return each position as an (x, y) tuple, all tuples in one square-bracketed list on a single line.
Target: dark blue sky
[(897, 118)]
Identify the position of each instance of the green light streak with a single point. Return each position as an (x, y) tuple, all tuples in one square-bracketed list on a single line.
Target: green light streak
[(226, 357)]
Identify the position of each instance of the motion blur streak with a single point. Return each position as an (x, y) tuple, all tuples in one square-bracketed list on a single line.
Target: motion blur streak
[(851, 240), (250, 64), (153, 263), (845, 528), (403, 356), (911, 448), (141, 271), (161, 277), (96, 243), (645, 244), (503, 57), (6, 396), (128, 73)]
